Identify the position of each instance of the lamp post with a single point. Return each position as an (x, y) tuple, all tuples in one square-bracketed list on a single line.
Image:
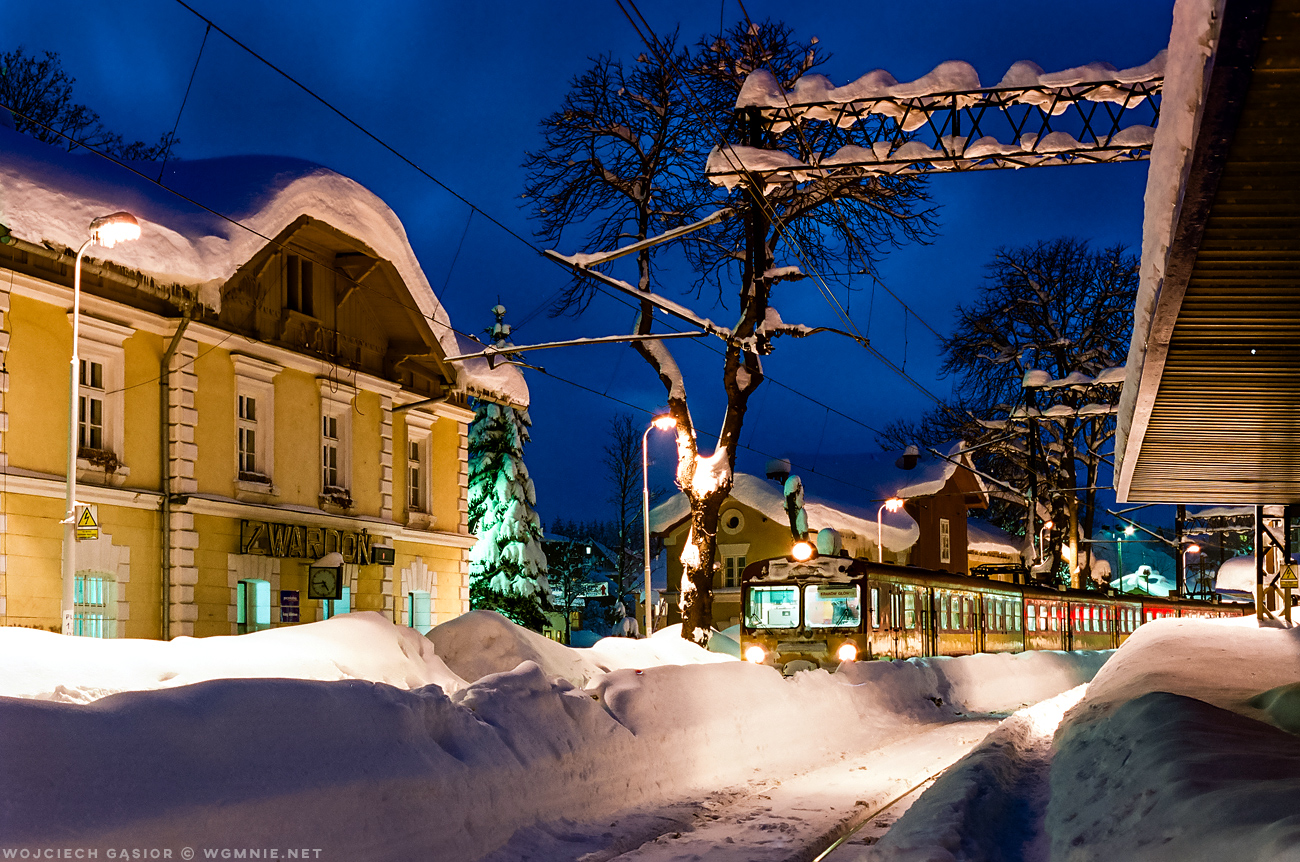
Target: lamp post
[(1119, 550), (893, 504), (663, 422), (1042, 541), (1190, 549), (107, 231)]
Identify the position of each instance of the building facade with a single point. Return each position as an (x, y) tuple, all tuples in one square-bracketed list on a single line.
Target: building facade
[(255, 394)]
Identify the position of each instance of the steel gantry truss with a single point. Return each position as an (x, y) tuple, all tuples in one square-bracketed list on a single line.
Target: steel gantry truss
[(899, 133)]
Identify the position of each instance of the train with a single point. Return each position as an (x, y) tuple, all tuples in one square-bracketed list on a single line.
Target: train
[(822, 610)]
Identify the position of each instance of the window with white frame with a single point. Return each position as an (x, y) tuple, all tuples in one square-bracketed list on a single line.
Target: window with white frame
[(100, 378), (417, 462), (733, 562), (335, 437), (254, 419), (94, 597), (945, 541)]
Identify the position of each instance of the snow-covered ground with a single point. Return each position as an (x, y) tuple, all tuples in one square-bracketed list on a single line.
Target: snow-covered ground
[(368, 745)]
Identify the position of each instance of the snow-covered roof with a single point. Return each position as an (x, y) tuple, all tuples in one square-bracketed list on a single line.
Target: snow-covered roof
[(877, 476), (49, 196), (1191, 45), (1222, 512), (983, 537), (899, 531), (476, 377)]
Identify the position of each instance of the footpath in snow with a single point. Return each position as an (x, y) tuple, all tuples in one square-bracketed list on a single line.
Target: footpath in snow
[(371, 742)]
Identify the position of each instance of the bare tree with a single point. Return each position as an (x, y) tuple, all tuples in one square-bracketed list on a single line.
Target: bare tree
[(1029, 356), (39, 95), (622, 464), (626, 155)]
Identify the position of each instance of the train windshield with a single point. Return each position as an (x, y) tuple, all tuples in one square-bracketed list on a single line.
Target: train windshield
[(772, 608), (837, 606)]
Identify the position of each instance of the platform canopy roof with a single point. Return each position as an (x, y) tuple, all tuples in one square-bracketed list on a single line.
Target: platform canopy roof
[(1211, 405)]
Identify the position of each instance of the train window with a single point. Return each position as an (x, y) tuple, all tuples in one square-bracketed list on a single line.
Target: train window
[(1055, 618), (772, 608), (836, 606), (875, 607), (968, 606), (1018, 608), (909, 610), (1031, 621)]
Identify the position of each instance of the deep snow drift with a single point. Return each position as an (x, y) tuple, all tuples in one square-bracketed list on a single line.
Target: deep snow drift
[(1176, 751), (370, 770)]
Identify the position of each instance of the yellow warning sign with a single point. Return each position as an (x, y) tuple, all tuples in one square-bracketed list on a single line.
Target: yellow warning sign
[(87, 525), (1288, 581)]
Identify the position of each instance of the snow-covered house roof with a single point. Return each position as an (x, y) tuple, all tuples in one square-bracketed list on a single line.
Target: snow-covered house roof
[(49, 197), (877, 475), (983, 537), (899, 531)]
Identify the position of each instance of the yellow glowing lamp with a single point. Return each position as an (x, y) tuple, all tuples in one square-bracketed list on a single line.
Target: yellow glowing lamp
[(893, 504), (756, 655), (109, 230), (664, 422), (847, 652), (803, 551), (1193, 549)]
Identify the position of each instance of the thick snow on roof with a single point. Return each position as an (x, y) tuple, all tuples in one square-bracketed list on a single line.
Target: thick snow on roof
[(50, 196), (983, 536), (878, 474), (1191, 45), (475, 377), (899, 531)]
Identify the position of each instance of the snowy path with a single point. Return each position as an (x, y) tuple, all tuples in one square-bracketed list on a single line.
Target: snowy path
[(791, 819)]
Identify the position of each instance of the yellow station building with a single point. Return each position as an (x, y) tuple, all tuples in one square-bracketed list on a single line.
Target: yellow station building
[(259, 389)]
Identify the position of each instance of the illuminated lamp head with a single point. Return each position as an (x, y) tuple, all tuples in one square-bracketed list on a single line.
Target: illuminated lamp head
[(1047, 525), (664, 422), (803, 551), (1193, 549), (756, 655), (109, 230), (893, 504), (846, 652), (1130, 530)]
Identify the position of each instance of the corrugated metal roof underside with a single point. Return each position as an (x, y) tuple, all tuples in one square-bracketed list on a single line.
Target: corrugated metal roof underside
[(1225, 425)]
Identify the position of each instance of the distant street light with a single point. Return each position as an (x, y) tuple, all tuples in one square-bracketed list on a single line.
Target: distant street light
[(663, 422), (1042, 541), (1190, 549), (107, 231), (893, 504)]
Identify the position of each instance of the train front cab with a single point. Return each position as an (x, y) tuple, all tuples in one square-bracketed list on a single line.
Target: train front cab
[(802, 615)]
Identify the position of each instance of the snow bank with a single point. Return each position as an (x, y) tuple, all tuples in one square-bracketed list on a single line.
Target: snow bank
[(986, 806), (986, 682), (1167, 778), (286, 762), (480, 643), (1226, 662), (362, 646)]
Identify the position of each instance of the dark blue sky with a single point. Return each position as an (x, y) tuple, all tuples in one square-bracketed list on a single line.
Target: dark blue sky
[(459, 88)]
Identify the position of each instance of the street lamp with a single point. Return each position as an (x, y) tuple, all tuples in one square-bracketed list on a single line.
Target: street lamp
[(1190, 549), (663, 422), (893, 504), (107, 231), (1042, 540)]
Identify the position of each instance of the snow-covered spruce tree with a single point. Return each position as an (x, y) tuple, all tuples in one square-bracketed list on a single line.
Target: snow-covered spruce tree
[(507, 566)]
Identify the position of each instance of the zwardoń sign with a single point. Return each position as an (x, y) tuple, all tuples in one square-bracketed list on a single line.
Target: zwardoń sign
[(271, 539)]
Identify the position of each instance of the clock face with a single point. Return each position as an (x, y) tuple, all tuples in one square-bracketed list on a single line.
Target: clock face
[(323, 583)]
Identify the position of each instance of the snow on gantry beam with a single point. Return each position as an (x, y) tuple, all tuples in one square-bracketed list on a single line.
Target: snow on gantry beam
[(947, 121)]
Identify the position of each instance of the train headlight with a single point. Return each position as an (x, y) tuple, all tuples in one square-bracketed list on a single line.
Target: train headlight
[(756, 654), (802, 551), (846, 652)]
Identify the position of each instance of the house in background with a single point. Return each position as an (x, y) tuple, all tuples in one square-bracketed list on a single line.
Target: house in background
[(845, 494), (254, 395), (987, 545)]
